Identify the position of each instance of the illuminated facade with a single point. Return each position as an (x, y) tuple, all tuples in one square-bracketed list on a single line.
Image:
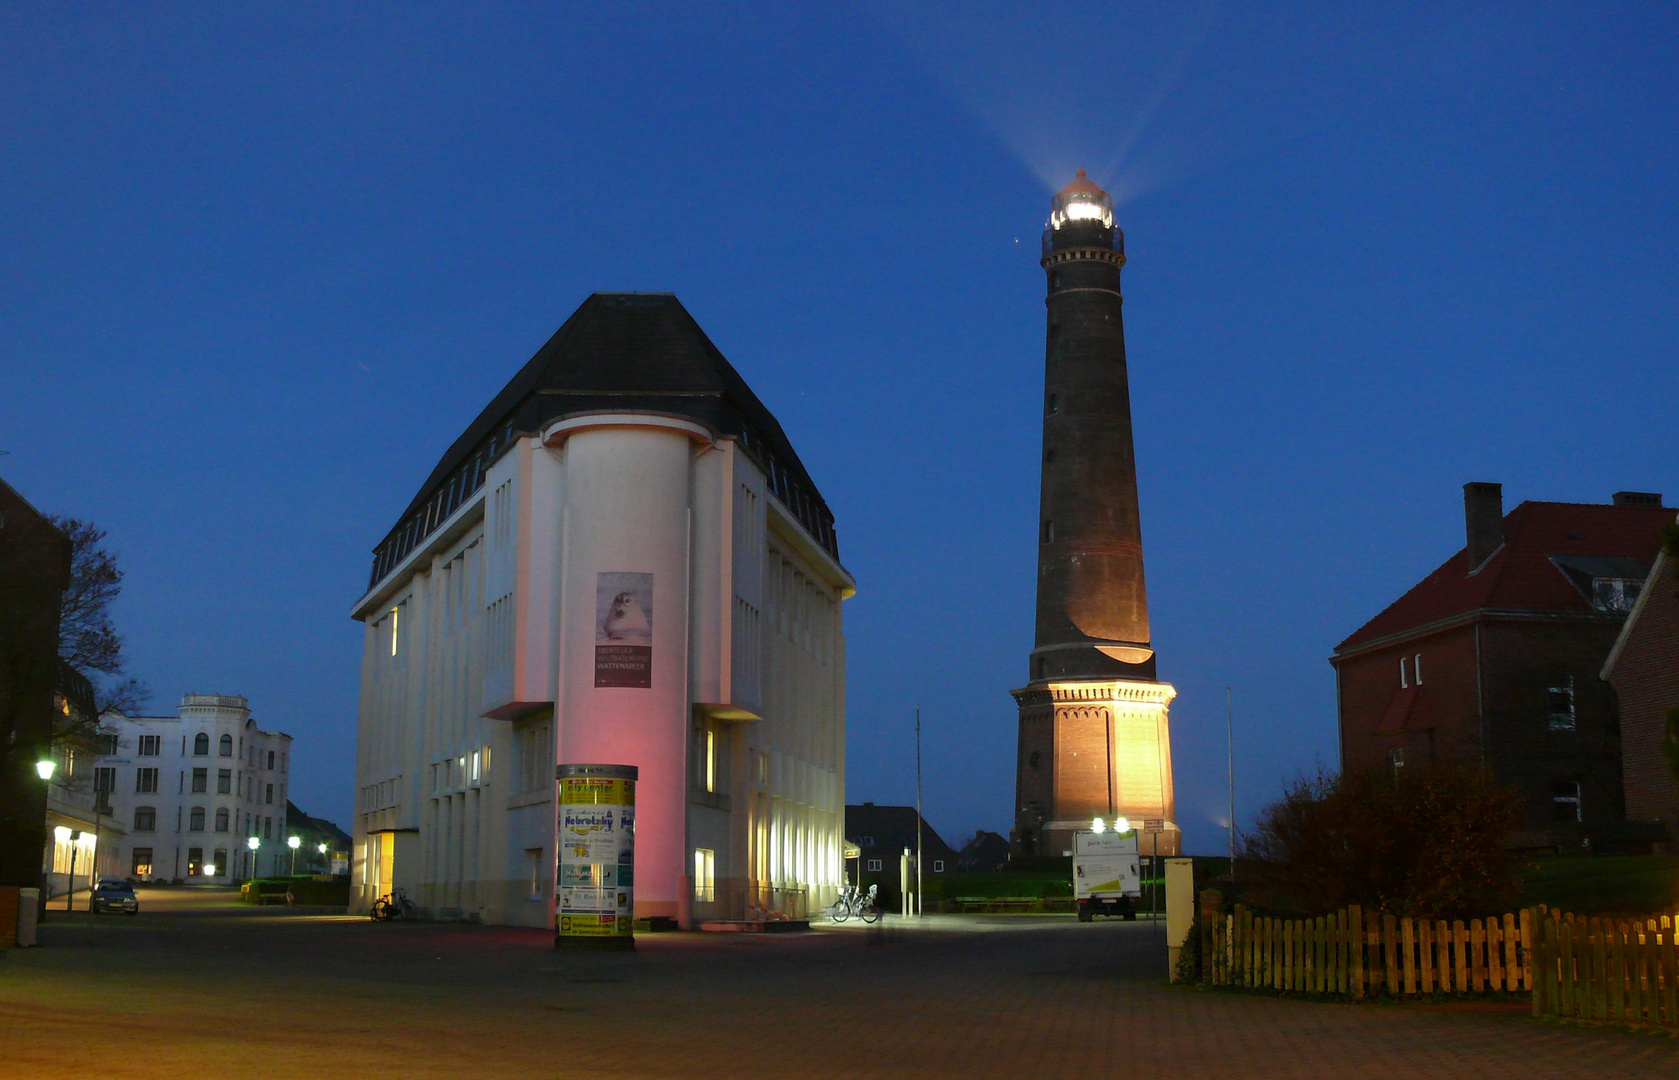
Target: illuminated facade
[(621, 561), (187, 792), (1094, 740)]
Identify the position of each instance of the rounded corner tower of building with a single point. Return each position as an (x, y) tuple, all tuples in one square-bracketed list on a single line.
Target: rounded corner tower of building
[(1093, 720)]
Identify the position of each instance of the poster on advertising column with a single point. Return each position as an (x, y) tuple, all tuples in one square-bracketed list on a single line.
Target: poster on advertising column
[(595, 897), (623, 629)]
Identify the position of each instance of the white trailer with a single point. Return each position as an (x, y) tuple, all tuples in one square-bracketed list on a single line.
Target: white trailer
[(1106, 877)]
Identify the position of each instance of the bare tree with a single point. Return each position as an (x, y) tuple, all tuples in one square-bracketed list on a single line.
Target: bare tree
[(87, 638)]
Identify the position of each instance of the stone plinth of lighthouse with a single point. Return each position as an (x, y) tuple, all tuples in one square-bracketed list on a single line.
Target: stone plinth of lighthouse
[(1094, 740)]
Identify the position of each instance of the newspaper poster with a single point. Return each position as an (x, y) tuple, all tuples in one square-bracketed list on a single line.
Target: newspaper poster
[(595, 894), (624, 629)]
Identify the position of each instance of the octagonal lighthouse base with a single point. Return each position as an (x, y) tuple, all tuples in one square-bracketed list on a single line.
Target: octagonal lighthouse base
[(1093, 748)]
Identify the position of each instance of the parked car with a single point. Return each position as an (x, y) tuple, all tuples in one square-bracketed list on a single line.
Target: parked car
[(113, 894)]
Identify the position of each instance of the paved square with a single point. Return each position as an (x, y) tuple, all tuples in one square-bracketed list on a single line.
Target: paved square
[(197, 986)]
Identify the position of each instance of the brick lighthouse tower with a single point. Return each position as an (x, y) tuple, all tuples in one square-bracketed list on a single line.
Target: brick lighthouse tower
[(1093, 719)]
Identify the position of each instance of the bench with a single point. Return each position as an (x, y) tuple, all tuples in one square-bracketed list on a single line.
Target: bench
[(270, 897)]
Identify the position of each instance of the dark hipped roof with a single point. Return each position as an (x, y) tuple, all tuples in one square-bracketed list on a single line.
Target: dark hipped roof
[(1545, 544), (619, 352)]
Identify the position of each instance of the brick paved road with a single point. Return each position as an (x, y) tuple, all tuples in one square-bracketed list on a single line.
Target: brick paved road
[(207, 990)]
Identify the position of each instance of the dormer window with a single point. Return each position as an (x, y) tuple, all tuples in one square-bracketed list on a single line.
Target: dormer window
[(1615, 594)]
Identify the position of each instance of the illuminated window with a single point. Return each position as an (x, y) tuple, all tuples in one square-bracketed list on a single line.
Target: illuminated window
[(475, 761), (195, 861), (224, 781), (151, 745), (533, 873), (1562, 703), (200, 745), (396, 614), (705, 881), (710, 760), (195, 821), (200, 781), (145, 818), (1565, 798), (142, 864), (221, 826)]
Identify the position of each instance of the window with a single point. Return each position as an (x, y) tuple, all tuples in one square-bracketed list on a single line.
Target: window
[(200, 781), (104, 779), (1562, 703), (1052, 405), (268, 828), (221, 823), (226, 745), (220, 862), (151, 745), (1049, 532), (269, 797), (874, 865), (145, 819), (195, 861), (271, 759), (195, 822), (256, 756), (142, 864), (108, 743), (1416, 668), (396, 616), (1402, 682), (1396, 758), (476, 761), (533, 873), (285, 761), (1615, 594), (224, 781), (705, 882), (200, 744), (938, 866), (1565, 797)]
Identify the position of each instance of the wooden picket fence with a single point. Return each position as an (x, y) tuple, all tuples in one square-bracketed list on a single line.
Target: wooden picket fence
[(1362, 954), (1624, 970)]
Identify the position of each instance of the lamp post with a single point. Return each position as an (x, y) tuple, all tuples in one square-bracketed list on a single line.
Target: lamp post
[(326, 864), (70, 885), (293, 842), (253, 843)]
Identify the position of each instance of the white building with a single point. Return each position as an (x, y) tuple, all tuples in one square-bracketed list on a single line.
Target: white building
[(191, 789), (621, 561)]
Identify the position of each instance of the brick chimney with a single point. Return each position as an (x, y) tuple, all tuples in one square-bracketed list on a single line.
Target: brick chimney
[(1483, 520), (1638, 498)]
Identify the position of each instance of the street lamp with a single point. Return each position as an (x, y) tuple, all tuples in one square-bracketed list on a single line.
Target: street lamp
[(44, 768), (326, 864), (75, 838), (292, 842), (253, 843)]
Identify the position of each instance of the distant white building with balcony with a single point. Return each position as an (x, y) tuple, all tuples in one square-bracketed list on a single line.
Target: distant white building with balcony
[(190, 790)]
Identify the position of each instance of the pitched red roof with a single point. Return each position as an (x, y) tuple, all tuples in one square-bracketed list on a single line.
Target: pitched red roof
[(1521, 575)]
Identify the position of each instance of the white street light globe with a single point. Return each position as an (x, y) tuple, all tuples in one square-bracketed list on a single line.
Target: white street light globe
[(209, 869), (292, 842), (1122, 824), (253, 843), (1098, 826), (44, 769)]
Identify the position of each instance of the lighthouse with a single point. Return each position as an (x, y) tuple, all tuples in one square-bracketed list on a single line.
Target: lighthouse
[(1094, 738)]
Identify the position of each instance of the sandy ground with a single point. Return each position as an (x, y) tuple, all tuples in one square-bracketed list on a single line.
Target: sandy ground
[(196, 985)]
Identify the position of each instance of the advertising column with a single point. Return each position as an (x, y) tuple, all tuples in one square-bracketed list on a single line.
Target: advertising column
[(595, 894)]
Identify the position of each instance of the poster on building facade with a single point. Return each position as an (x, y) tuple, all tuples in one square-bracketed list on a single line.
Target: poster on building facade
[(623, 629), (595, 887)]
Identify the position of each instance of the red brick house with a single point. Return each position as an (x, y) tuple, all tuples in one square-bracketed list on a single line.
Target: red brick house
[(1494, 658), (1643, 667)]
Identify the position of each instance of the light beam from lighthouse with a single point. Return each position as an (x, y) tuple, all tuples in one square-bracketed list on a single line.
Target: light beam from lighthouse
[(1094, 740)]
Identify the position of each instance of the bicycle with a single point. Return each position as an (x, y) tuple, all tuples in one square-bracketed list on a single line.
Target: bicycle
[(393, 905), (844, 907), (868, 909)]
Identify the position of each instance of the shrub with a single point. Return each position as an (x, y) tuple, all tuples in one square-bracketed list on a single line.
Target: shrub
[(1428, 841)]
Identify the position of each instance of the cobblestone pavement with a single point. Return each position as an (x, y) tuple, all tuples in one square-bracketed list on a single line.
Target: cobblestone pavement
[(195, 987)]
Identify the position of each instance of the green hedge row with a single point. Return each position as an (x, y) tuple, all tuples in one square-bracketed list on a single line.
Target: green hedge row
[(306, 889)]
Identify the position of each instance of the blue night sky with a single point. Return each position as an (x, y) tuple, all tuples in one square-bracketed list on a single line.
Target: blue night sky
[(260, 264)]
